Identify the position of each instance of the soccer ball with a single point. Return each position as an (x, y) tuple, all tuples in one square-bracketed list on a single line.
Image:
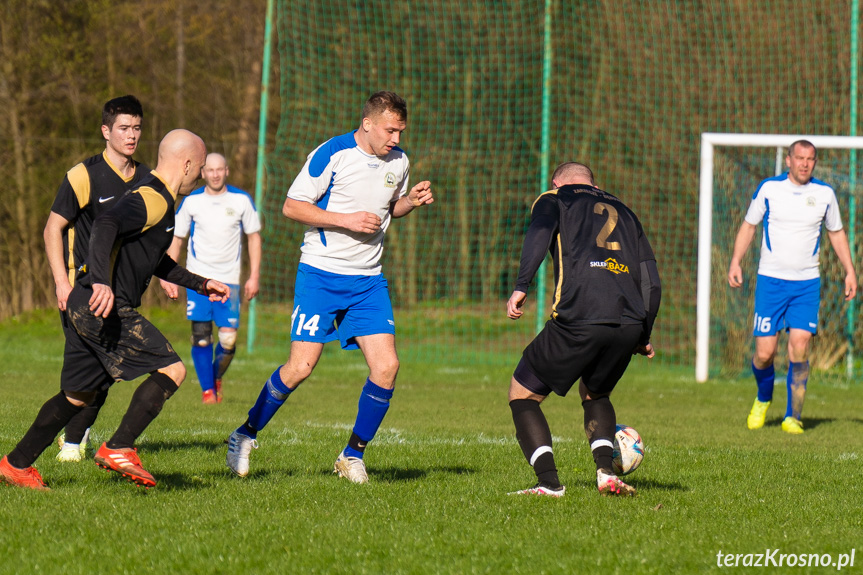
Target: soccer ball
[(628, 450)]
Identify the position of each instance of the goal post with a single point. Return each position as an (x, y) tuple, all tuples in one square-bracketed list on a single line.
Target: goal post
[(709, 141)]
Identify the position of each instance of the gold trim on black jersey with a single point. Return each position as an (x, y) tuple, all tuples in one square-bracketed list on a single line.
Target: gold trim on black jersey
[(117, 171)]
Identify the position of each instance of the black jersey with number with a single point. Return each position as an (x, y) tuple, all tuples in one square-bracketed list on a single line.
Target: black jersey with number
[(129, 241), (599, 250), (88, 189)]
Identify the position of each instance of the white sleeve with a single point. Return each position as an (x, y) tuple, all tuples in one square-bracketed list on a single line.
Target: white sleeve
[(182, 220), (833, 219), (251, 221), (757, 208), (403, 188), (308, 188)]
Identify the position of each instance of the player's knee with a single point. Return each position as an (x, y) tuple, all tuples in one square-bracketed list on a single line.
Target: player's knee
[(228, 339), (297, 371), (176, 371), (202, 334)]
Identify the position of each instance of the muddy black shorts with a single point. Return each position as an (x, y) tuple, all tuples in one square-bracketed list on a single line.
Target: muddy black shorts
[(99, 351), (559, 356)]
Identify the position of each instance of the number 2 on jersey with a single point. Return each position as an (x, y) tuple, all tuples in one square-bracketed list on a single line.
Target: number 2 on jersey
[(606, 230), (311, 326)]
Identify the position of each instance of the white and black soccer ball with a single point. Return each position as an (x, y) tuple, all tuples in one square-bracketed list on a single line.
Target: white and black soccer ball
[(628, 450)]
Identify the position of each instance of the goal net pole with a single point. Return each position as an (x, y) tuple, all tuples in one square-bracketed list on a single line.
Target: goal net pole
[(709, 140)]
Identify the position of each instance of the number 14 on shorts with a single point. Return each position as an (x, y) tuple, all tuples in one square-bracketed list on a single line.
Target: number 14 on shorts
[(310, 326), (762, 324)]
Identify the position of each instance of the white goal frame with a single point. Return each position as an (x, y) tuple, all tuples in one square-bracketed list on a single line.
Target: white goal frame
[(709, 140)]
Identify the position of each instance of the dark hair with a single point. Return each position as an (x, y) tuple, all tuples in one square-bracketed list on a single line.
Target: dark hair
[(805, 144), (380, 102), (122, 105)]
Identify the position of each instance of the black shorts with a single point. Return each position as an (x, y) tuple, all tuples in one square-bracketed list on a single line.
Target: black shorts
[(100, 351), (558, 357)]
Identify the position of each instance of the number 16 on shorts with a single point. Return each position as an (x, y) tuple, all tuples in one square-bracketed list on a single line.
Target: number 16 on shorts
[(762, 324)]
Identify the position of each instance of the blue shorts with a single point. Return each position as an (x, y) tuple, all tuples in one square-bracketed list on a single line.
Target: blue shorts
[(785, 304), (330, 306), (200, 308)]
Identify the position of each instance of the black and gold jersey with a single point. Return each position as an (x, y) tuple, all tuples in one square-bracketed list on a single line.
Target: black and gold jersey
[(604, 266), (128, 244), (88, 189)]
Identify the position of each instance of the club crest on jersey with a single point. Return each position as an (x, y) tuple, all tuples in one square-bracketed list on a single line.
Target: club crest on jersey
[(390, 180), (611, 265), (810, 201), (230, 212)]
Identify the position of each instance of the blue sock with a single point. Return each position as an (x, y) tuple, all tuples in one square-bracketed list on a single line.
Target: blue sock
[(764, 378), (373, 406), (798, 375), (222, 360), (272, 396), (202, 357)]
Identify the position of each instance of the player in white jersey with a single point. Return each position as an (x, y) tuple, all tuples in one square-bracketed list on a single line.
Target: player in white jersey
[(793, 208), (214, 218), (347, 192)]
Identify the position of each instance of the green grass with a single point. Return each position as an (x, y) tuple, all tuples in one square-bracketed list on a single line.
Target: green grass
[(439, 470)]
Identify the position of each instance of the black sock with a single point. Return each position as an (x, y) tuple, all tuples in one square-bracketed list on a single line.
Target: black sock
[(146, 404), (534, 437), (77, 426), (54, 415), (599, 426), (356, 443), (250, 431)]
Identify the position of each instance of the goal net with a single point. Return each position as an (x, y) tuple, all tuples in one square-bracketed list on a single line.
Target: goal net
[(732, 166)]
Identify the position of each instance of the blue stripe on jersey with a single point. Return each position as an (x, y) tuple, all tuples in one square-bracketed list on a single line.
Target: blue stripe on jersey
[(778, 178), (766, 223), (234, 190), (323, 203), (330, 148), (820, 229), (819, 182), (192, 239)]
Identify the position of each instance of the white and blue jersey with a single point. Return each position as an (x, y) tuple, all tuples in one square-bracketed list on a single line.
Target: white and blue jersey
[(215, 224), (340, 177), (793, 216)]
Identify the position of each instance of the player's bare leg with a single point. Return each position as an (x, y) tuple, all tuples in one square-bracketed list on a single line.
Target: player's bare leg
[(379, 351)]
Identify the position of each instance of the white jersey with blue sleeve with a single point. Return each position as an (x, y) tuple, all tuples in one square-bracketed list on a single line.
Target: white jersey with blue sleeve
[(340, 177), (215, 224), (793, 216)]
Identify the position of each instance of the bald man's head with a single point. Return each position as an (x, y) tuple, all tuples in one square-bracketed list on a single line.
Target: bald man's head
[(181, 156), (216, 173), (570, 173)]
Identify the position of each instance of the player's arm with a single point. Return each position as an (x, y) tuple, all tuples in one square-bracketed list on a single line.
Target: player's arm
[(171, 289), (53, 236), (420, 195), (311, 215), (543, 225), (839, 241), (741, 244), (252, 284), (172, 272), (651, 293)]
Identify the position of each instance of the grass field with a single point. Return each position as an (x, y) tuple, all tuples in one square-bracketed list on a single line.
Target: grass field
[(440, 470)]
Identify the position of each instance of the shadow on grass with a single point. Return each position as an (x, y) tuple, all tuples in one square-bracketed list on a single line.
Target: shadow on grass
[(211, 445), (643, 484), (393, 475)]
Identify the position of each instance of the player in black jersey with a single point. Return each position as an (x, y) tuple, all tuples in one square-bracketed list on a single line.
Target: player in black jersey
[(89, 189), (606, 296), (109, 339)]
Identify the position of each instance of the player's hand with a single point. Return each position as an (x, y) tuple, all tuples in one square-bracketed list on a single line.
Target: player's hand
[(171, 290), (421, 194), (62, 290), (217, 291), (102, 300), (362, 222), (513, 306), (645, 350), (850, 286), (735, 275), (250, 290)]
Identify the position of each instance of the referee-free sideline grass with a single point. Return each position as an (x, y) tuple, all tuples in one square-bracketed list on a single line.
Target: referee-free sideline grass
[(440, 469)]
